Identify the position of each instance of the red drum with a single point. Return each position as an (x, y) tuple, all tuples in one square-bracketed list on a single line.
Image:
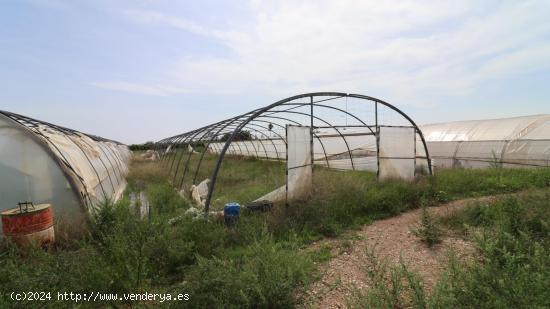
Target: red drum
[(33, 225)]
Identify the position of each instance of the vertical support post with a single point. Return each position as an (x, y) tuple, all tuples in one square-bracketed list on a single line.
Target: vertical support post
[(414, 136), (377, 139), (286, 168), (311, 138)]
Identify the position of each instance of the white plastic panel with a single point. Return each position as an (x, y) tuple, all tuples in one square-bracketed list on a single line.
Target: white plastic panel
[(397, 153), (299, 167), (328, 146)]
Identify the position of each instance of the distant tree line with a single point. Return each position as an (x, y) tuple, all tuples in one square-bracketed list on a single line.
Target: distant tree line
[(243, 135), (144, 146)]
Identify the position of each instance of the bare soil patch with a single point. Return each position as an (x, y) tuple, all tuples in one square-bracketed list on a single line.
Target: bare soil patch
[(389, 239)]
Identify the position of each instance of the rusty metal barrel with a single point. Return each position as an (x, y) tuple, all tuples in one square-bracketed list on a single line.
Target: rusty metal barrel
[(29, 224)]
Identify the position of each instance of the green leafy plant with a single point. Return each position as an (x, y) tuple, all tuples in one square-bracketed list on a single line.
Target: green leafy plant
[(428, 229)]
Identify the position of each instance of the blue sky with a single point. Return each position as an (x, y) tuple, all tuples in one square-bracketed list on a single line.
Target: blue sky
[(142, 70)]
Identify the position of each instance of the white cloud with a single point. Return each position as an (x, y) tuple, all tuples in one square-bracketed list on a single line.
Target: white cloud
[(147, 89), (400, 49)]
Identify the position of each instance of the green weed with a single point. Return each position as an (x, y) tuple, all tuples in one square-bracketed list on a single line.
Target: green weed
[(428, 230)]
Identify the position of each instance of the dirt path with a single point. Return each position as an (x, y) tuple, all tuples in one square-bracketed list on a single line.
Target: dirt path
[(389, 239)]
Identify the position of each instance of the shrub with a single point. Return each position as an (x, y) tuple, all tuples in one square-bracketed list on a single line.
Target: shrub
[(514, 270), (514, 273), (392, 287), (428, 229), (173, 248), (262, 275), (164, 199)]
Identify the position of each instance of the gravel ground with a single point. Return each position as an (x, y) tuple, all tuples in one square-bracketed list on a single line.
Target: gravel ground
[(390, 240)]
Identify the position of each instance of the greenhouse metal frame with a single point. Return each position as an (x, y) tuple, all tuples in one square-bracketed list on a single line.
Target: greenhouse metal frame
[(321, 113)]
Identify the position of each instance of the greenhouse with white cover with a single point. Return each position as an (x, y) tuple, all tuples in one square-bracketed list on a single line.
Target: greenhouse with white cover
[(44, 163), (510, 142)]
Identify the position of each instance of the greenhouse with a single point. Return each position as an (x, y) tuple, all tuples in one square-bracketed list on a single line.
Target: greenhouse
[(331, 129), (510, 142), (44, 163)]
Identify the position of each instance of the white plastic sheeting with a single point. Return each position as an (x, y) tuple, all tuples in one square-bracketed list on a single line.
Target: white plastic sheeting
[(332, 148), (101, 165), (29, 173), (261, 148), (299, 162), (397, 153), (511, 142), (329, 147), (43, 163)]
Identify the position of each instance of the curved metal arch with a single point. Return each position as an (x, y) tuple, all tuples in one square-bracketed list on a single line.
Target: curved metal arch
[(295, 122), (272, 123), (261, 143), (115, 159), (338, 131), (269, 138), (90, 163), (104, 166), (225, 123), (258, 112), (172, 143), (327, 123), (187, 139), (343, 111), (284, 139), (182, 136), (191, 153), (61, 159), (181, 141), (217, 134), (260, 140), (418, 131)]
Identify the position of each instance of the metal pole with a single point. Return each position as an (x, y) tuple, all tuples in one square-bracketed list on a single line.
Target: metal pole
[(311, 139), (377, 127)]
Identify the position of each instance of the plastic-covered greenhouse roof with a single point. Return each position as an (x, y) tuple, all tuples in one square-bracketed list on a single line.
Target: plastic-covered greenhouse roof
[(512, 142), (46, 163)]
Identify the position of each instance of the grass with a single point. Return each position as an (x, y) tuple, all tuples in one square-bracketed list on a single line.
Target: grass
[(244, 179), (121, 253), (263, 275), (512, 236), (349, 199), (344, 200), (241, 179), (258, 263)]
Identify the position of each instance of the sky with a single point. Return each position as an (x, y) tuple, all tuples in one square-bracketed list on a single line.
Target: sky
[(142, 70)]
